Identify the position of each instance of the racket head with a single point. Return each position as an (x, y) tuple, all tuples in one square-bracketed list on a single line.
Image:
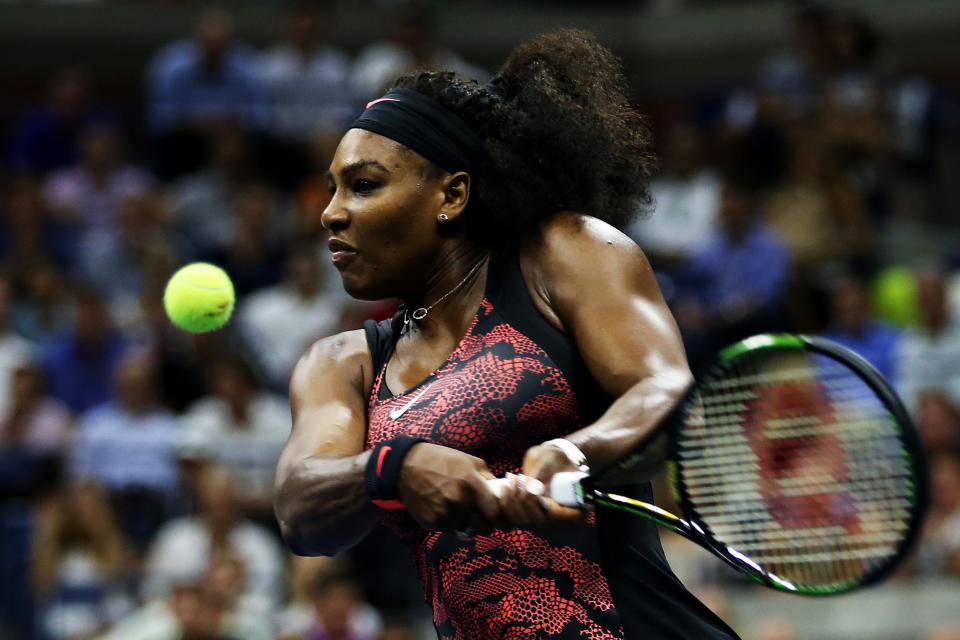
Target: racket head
[(800, 465)]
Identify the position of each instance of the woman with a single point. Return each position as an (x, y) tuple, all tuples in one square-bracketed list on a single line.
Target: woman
[(520, 325)]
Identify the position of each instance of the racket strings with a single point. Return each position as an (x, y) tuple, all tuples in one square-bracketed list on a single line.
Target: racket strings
[(795, 462)]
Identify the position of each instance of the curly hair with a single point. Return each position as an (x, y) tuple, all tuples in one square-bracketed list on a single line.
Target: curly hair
[(560, 135)]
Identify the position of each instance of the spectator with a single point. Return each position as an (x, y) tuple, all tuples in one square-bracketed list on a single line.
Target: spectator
[(939, 550), (938, 420), (90, 193), (113, 261), (687, 197), (183, 547), (35, 431), (325, 588), (799, 211), (47, 137), (34, 435), (853, 325), (180, 364), (295, 618), (243, 614), (738, 279), (46, 311), (307, 80), (253, 255), (79, 567), (15, 351), (339, 610), (928, 355), (280, 322), (79, 365), (412, 46), (192, 611), (202, 202), (201, 83), (128, 447), (854, 79), (148, 255), (794, 76), (241, 428), (30, 234)]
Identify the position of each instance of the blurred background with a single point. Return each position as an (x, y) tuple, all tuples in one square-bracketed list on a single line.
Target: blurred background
[(808, 181)]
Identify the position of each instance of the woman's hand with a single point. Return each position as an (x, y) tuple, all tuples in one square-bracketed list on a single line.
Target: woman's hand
[(525, 500), (446, 489)]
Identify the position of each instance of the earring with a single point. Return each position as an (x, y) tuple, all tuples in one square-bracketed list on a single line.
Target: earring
[(443, 218)]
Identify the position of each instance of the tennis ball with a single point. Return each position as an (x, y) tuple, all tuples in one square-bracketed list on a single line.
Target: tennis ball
[(199, 297), (895, 296)]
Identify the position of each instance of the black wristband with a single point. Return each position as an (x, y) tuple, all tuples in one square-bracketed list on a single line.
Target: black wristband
[(382, 475)]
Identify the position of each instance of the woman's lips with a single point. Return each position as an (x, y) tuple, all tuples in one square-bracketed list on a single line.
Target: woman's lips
[(341, 251)]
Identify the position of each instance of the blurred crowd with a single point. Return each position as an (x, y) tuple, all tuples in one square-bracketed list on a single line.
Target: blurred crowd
[(784, 205), (136, 461)]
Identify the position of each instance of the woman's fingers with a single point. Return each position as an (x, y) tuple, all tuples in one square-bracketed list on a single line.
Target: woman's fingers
[(522, 507), (562, 516), (489, 504)]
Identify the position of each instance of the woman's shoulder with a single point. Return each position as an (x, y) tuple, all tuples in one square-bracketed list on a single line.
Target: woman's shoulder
[(567, 230), (570, 242), (344, 349), (343, 357)]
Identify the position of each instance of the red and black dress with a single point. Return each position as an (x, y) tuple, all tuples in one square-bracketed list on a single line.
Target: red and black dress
[(515, 381)]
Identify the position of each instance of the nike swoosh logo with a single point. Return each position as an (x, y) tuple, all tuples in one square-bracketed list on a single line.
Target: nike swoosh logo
[(396, 413)]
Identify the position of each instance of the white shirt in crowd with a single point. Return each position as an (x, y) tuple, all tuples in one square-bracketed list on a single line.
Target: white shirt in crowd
[(307, 94), (279, 324), (380, 63), (685, 214), (249, 452), (15, 352), (121, 450), (926, 362), (180, 554), (157, 620)]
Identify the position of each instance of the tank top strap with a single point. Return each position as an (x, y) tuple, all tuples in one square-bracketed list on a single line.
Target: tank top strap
[(381, 339), (507, 290)]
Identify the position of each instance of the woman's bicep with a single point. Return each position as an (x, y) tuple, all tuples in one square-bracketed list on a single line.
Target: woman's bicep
[(327, 401), (605, 294)]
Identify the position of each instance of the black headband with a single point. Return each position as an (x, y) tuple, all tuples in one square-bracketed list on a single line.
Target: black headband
[(423, 125)]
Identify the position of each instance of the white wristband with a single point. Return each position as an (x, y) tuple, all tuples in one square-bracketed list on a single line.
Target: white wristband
[(572, 452)]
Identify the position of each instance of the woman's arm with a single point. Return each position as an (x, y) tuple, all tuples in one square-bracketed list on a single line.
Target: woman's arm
[(595, 284), (319, 494), (320, 499)]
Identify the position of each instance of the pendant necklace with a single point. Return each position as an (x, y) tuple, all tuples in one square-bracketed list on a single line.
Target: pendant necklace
[(421, 312)]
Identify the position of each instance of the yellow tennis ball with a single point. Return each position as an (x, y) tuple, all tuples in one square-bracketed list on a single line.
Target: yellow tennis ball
[(199, 297)]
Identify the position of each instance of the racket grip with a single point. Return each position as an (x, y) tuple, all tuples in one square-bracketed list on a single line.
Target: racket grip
[(564, 487)]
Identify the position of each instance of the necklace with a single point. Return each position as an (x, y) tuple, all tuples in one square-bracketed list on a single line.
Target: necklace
[(421, 312)]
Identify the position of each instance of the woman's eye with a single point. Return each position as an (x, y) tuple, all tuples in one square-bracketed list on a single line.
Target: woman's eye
[(364, 186), (333, 189)]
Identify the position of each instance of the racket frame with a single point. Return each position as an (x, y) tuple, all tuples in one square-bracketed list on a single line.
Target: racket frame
[(661, 448)]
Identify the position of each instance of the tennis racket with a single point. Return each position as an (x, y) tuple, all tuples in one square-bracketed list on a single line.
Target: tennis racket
[(792, 460)]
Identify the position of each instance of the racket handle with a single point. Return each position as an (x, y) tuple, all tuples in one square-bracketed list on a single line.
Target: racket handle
[(564, 487)]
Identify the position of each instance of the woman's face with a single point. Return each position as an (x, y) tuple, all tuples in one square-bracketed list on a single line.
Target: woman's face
[(382, 216)]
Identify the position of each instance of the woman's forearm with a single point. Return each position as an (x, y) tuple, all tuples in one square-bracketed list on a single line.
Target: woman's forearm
[(632, 418), (321, 504)]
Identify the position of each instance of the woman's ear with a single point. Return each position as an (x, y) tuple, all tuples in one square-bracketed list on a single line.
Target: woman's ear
[(456, 194)]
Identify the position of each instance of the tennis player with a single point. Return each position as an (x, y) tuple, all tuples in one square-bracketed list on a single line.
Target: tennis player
[(532, 339)]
